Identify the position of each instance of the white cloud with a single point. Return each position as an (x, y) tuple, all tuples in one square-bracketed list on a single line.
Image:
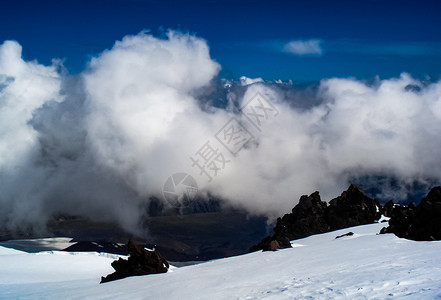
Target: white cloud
[(26, 87), (304, 47), (133, 118), (143, 122)]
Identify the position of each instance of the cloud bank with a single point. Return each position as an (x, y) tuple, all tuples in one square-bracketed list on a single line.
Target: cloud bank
[(100, 144), (304, 47)]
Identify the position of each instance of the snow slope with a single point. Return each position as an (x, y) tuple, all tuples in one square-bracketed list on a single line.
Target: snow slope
[(364, 265)]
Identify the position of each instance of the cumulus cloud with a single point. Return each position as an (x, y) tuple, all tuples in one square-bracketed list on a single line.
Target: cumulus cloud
[(100, 144), (357, 130), (304, 47), (25, 87), (143, 121)]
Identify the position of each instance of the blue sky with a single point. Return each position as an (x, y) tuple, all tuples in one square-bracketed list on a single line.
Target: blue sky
[(359, 39)]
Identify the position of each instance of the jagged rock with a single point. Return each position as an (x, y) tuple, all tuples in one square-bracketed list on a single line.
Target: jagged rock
[(420, 223), (400, 220), (312, 216), (426, 223), (264, 245), (306, 218), (387, 209), (352, 208), (274, 245), (270, 243), (343, 235), (140, 262)]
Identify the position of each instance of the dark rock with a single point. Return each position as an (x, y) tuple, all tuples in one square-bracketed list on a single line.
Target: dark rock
[(400, 220), (270, 243), (264, 245), (312, 216), (343, 235), (387, 209), (140, 262), (352, 208), (306, 218), (426, 223), (420, 223), (284, 242), (274, 245)]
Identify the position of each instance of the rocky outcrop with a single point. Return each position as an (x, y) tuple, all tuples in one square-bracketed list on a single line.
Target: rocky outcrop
[(400, 220), (306, 218), (266, 245), (387, 209), (352, 208), (140, 262), (420, 223), (312, 216)]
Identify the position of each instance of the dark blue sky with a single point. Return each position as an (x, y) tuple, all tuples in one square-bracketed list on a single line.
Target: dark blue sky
[(356, 38)]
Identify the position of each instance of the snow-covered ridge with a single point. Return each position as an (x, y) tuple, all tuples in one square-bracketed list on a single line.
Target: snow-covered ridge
[(247, 81), (364, 265)]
